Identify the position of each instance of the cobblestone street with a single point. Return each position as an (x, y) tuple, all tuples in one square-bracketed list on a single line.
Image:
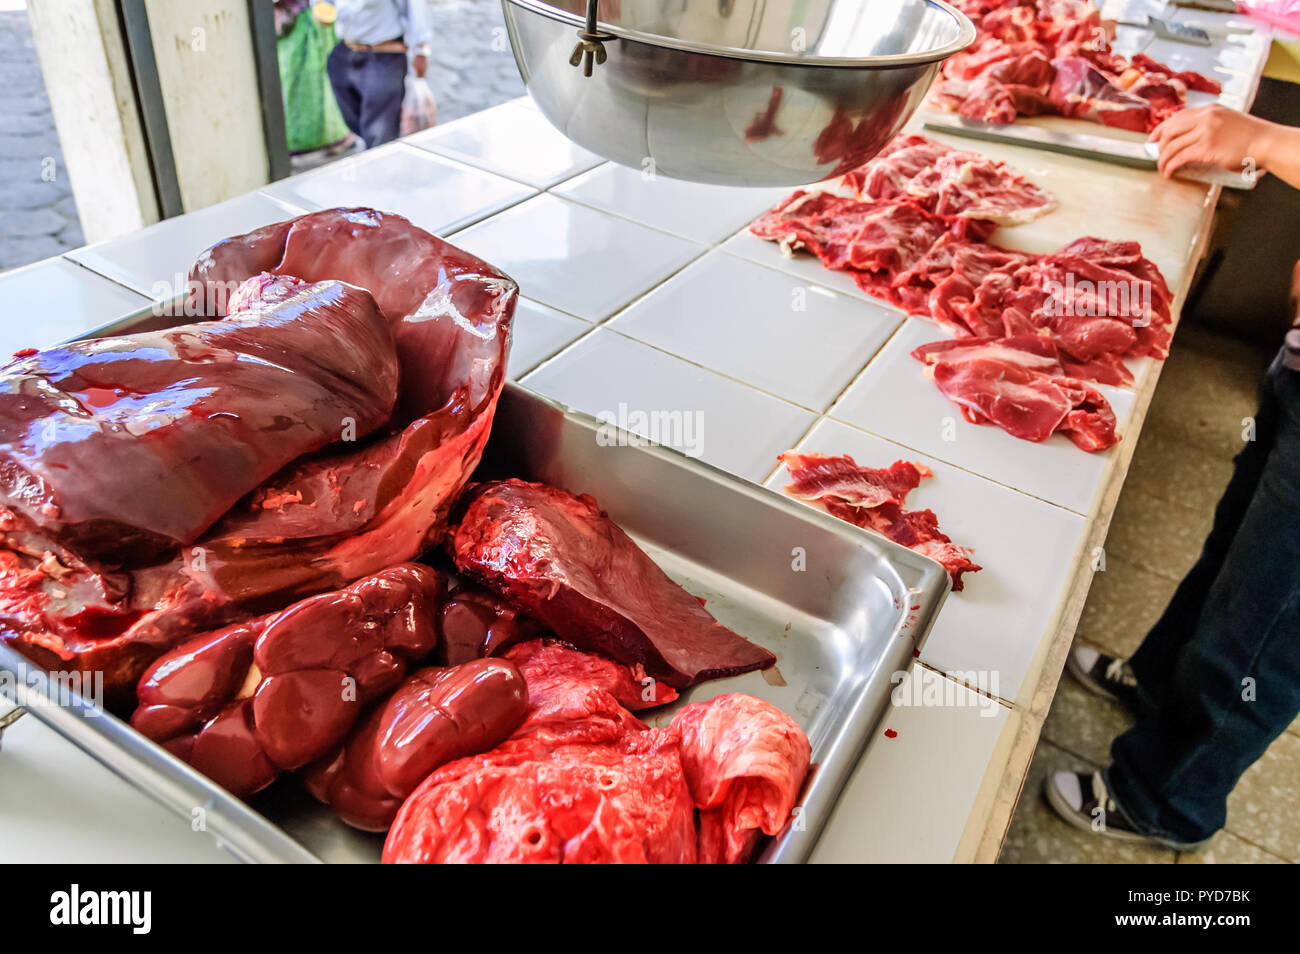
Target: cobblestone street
[(38, 217), (471, 69)]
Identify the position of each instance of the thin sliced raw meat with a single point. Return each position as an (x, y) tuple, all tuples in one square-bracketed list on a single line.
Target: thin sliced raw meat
[(1019, 384), (950, 182), (817, 475), (1034, 57), (1099, 301)]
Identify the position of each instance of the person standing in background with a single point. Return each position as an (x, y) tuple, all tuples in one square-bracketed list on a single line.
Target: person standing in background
[(1217, 678), (368, 66)]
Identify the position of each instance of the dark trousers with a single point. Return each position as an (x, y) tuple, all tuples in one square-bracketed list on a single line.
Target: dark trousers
[(369, 89), (1219, 674)]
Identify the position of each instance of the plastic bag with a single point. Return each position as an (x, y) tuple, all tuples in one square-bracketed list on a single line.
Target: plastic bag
[(419, 110), (1280, 13), (311, 116)]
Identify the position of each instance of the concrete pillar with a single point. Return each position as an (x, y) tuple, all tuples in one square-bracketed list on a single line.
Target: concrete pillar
[(208, 76), (205, 71)]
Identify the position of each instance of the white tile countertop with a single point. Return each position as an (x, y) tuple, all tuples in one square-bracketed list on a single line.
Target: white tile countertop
[(644, 293)]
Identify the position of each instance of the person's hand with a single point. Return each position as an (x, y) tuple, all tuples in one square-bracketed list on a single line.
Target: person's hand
[(419, 63), (1214, 134)]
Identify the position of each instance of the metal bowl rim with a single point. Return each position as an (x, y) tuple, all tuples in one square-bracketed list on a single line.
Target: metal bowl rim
[(965, 37)]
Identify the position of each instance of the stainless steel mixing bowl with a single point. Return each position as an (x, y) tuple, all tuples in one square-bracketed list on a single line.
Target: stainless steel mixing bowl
[(736, 92)]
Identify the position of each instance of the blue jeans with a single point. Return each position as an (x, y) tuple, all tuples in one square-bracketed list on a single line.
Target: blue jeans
[(1219, 674), (369, 88)]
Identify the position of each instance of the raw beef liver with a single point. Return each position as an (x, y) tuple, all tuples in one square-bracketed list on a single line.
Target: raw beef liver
[(358, 482), (1036, 57), (561, 560)]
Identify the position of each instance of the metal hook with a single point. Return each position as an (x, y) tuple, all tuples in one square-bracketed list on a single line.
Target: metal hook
[(8, 719), (591, 43)]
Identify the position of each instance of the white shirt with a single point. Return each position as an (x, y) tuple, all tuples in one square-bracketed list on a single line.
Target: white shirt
[(378, 21)]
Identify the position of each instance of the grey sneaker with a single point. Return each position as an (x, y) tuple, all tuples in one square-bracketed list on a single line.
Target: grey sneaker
[(1081, 799), (1108, 676)]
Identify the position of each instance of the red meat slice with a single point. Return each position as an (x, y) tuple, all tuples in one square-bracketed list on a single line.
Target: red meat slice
[(873, 500), (325, 519), (1099, 301), (1019, 384), (821, 222), (949, 182), (974, 187), (1190, 79), (888, 174), (562, 561), (816, 475)]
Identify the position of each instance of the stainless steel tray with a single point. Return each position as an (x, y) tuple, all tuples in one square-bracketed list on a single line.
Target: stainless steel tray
[(840, 628)]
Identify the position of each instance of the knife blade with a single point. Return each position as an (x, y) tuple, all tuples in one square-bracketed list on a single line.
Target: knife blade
[(1136, 155)]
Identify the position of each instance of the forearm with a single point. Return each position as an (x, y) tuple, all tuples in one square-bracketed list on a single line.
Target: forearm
[(1277, 151)]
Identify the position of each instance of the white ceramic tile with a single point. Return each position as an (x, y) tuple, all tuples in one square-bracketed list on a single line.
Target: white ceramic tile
[(804, 343), (895, 399), (910, 796), (574, 258), (801, 265), (693, 210), (537, 333), (514, 140), (703, 414), (437, 194), (987, 634), (58, 804), (55, 300), (156, 260)]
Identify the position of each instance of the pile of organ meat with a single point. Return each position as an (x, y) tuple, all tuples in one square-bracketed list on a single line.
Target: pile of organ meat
[(1035, 332), (873, 498), (261, 529), (1054, 57)]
